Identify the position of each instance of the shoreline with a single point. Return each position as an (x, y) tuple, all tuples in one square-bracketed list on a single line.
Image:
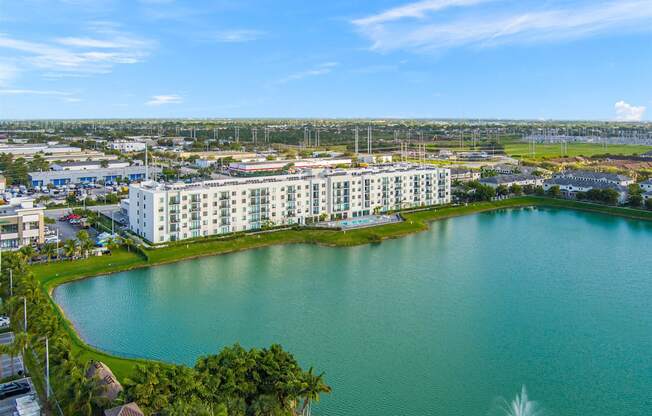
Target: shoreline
[(414, 222)]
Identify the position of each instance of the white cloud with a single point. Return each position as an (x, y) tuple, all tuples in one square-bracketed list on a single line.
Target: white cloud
[(17, 91), (396, 29), (321, 69), (628, 112), (8, 73), (165, 99), (415, 10), (237, 35), (80, 55)]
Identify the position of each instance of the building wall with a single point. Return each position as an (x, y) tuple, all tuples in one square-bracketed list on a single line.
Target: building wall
[(64, 177), (24, 227), (176, 212)]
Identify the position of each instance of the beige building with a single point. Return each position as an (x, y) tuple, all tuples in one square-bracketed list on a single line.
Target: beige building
[(21, 224)]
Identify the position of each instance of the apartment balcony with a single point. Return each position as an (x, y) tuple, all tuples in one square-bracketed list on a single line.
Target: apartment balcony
[(174, 219), (195, 206)]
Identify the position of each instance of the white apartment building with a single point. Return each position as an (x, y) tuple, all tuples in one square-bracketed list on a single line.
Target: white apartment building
[(128, 146), (169, 212)]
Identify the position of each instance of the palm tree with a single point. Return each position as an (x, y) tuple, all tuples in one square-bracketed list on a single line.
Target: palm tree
[(85, 393), (113, 243), (28, 252), (15, 348), (85, 242), (128, 242), (70, 248), (313, 385), (49, 249), (266, 405)]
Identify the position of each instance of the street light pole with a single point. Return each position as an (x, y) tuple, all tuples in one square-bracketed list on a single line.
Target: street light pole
[(47, 368), (25, 312), (11, 282)]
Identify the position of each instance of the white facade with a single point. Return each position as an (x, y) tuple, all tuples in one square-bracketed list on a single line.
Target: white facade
[(170, 212), (128, 146)]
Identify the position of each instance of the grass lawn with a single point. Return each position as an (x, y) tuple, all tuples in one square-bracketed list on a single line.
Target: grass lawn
[(551, 151), (53, 274)]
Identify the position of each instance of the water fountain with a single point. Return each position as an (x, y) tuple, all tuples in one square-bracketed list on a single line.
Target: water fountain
[(520, 406)]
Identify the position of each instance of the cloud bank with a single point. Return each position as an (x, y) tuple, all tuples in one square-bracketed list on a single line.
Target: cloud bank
[(425, 26)]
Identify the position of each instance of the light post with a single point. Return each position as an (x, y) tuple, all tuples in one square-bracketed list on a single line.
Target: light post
[(25, 313), (11, 282), (47, 368)]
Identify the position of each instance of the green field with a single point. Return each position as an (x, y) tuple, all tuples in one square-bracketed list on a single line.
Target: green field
[(551, 151), (56, 273)]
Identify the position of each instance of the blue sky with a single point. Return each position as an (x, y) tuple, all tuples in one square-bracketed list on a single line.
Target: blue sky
[(545, 59)]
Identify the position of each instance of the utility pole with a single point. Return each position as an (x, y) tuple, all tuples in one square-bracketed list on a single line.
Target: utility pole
[(25, 312), (369, 133), (11, 282), (356, 140)]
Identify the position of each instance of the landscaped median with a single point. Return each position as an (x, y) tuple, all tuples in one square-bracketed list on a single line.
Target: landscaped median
[(53, 274)]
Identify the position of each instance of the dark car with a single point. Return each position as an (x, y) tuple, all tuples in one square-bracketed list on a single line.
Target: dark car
[(14, 389)]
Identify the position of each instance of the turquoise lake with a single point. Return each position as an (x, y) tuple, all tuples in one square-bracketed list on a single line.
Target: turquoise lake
[(438, 323)]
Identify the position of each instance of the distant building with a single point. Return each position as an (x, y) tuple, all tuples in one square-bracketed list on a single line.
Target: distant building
[(129, 409), (3, 183), (128, 146), (646, 185), (464, 175), (473, 155), (21, 224), (33, 149), (89, 165), (593, 177), (375, 158), (569, 187), (90, 173), (509, 180), (277, 165)]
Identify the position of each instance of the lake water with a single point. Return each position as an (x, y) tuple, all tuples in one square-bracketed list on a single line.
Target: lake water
[(438, 323)]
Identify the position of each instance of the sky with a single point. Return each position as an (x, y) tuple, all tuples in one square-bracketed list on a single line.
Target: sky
[(508, 59)]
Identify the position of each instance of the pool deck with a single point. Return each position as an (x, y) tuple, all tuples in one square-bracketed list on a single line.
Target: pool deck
[(361, 222)]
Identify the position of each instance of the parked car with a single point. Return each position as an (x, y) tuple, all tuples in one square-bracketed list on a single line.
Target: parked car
[(5, 321), (14, 389)]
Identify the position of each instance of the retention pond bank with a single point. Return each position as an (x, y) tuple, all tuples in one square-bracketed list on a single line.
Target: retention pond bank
[(438, 323)]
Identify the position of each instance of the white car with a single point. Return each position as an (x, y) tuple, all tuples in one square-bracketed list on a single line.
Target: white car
[(4, 322)]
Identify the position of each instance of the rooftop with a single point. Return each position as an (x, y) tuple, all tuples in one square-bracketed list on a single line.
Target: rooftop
[(499, 179), (596, 175), (301, 175), (129, 409), (582, 184)]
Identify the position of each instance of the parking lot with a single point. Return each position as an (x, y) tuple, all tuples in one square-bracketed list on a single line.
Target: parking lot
[(6, 368), (29, 401), (68, 231)]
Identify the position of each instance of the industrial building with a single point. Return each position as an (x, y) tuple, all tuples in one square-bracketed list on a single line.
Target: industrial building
[(89, 172)]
